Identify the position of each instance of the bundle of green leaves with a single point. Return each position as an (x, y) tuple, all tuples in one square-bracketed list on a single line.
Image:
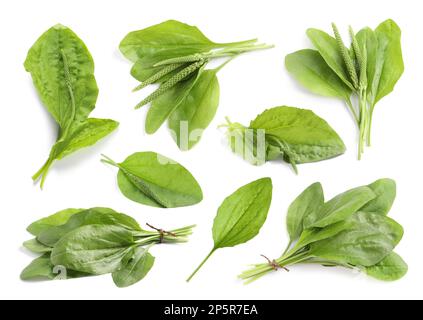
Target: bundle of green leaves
[(352, 230), (295, 135), (174, 55), (157, 181), (62, 70), (367, 71), (77, 243)]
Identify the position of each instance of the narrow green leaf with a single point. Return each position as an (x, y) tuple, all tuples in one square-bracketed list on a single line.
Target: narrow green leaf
[(311, 200), (329, 50), (196, 111), (339, 208)]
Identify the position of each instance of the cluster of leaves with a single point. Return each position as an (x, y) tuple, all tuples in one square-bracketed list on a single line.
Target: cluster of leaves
[(174, 55), (367, 71), (154, 180), (295, 135), (62, 70), (78, 243), (352, 230), (241, 216)]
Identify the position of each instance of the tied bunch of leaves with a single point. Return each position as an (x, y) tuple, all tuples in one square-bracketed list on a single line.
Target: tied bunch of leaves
[(62, 70), (154, 180), (77, 243), (174, 55), (295, 135), (367, 71), (241, 216), (352, 230)]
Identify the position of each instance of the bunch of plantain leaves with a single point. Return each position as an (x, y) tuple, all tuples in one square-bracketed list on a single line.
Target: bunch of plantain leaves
[(351, 230), (76, 243), (174, 56)]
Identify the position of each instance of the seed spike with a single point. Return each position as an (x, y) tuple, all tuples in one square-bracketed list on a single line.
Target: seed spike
[(184, 73), (346, 56)]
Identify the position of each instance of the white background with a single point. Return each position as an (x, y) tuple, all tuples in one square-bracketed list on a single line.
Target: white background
[(248, 85)]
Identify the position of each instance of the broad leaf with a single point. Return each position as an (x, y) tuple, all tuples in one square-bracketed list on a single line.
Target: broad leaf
[(103, 216), (241, 215), (152, 179), (54, 220), (390, 54), (94, 249), (165, 40), (391, 268), (311, 200), (310, 69), (369, 240), (57, 52), (196, 111), (308, 137), (385, 191), (136, 267), (339, 208)]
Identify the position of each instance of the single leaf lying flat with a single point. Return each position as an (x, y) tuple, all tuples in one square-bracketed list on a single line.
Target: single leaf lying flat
[(241, 216), (137, 266), (152, 179)]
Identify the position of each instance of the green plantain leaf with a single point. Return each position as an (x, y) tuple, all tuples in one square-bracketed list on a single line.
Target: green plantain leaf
[(391, 268), (370, 239), (196, 111), (339, 208), (94, 249), (311, 70), (309, 201), (329, 50), (137, 265), (155, 180)]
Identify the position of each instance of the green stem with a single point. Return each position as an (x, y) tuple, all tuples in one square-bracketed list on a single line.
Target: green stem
[(354, 113), (201, 265), (108, 160), (239, 43), (369, 126), (363, 122)]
